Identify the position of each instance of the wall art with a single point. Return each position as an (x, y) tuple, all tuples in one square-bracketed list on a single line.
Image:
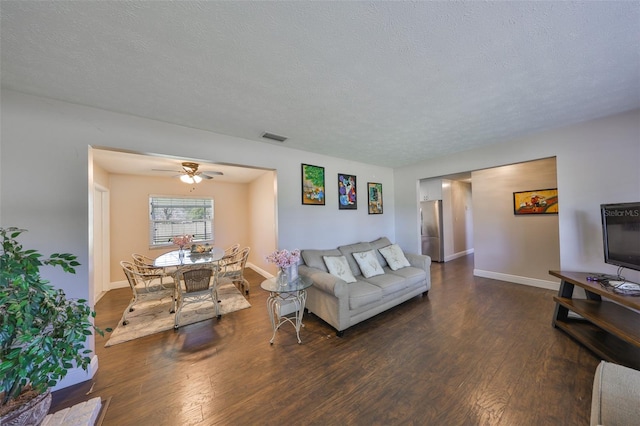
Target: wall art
[(313, 192), (347, 192), (541, 201), (374, 193)]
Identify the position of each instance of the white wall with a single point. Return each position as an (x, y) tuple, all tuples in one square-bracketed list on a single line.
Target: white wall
[(45, 186), (597, 162)]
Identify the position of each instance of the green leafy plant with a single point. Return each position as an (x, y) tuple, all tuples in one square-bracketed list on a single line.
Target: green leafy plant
[(42, 333)]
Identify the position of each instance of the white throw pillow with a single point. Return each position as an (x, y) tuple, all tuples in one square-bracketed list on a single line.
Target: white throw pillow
[(338, 266), (368, 263), (394, 256)]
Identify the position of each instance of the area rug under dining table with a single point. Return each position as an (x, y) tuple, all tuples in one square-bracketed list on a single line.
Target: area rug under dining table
[(153, 315)]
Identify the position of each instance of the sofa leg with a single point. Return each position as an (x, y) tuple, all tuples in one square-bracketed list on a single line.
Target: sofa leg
[(426, 293), (340, 333)]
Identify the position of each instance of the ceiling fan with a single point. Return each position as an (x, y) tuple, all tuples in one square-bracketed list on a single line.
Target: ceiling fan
[(190, 173)]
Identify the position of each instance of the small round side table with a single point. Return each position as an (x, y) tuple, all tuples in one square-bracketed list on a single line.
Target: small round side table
[(283, 294)]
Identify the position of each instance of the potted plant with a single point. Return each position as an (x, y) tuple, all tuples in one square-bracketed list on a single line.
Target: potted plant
[(42, 333)]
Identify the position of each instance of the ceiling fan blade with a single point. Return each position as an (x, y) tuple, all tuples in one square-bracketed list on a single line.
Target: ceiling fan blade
[(203, 176), (214, 173), (164, 170)]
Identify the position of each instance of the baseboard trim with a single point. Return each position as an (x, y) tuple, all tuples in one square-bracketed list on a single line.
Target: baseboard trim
[(533, 282), (457, 255), (123, 284)]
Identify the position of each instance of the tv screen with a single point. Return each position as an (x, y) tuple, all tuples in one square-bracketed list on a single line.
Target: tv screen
[(621, 234)]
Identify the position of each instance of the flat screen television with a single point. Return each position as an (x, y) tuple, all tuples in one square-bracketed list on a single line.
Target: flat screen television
[(621, 234)]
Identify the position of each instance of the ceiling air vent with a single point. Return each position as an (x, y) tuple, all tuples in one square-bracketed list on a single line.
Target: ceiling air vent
[(274, 137)]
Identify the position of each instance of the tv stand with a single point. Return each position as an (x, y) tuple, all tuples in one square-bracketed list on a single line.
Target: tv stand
[(609, 328)]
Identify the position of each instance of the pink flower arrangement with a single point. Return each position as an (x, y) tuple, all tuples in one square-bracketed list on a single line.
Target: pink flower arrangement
[(182, 240), (284, 258)]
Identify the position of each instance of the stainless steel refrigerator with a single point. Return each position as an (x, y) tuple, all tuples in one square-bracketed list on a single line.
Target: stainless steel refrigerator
[(431, 229)]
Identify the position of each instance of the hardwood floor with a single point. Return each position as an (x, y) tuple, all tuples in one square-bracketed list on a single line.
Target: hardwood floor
[(474, 352)]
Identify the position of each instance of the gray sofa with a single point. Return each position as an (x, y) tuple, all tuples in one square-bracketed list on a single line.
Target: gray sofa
[(615, 397), (342, 304)]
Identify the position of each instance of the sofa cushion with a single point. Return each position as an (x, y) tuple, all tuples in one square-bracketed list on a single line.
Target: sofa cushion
[(313, 258), (388, 283), (338, 266), (368, 263), (378, 244), (362, 293), (394, 257), (348, 251), (411, 275)]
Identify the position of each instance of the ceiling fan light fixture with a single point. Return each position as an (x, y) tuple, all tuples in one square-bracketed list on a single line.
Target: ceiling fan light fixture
[(190, 179)]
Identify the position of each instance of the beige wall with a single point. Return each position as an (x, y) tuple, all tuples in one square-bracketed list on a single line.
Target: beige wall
[(523, 246), (129, 218), (262, 221), (461, 209)]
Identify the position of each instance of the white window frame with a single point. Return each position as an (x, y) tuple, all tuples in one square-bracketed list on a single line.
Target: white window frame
[(162, 228)]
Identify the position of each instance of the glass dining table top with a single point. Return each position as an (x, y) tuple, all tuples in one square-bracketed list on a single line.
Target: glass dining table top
[(173, 258)]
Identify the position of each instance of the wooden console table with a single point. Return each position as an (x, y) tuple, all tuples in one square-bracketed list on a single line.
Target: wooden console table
[(609, 328)]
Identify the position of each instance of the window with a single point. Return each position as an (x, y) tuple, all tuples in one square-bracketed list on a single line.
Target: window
[(171, 216)]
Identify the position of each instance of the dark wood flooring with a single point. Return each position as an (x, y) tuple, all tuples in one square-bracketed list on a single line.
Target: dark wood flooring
[(475, 351)]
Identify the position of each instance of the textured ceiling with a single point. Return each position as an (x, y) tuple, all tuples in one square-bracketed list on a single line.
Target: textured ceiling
[(387, 83)]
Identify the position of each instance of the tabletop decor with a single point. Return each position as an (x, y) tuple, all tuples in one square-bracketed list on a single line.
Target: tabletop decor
[(182, 241), (287, 262)]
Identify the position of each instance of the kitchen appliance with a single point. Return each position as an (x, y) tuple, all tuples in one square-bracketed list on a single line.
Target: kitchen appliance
[(431, 229)]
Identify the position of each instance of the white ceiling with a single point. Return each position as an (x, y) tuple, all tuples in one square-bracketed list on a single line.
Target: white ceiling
[(130, 163), (386, 83)]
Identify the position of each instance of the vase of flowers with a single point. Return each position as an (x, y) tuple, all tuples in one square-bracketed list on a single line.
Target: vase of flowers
[(181, 241), (287, 263)]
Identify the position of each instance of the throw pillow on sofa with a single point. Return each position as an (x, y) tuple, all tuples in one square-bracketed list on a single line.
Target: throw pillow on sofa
[(338, 266), (368, 263), (394, 256)]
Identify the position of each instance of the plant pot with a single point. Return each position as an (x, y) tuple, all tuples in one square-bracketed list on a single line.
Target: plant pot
[(30, 413)]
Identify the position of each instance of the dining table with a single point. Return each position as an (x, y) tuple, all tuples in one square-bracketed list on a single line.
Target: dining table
[(177, 258)]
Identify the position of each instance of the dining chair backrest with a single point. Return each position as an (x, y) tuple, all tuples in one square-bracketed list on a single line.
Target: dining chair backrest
[(142, 260), (230, 254), (197, 279), (230, 251), (130, 271), (200, 283), (234, 269)]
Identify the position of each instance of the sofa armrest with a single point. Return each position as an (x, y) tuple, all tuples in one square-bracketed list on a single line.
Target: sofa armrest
[(325, 281), (421, 261), (615, 395)]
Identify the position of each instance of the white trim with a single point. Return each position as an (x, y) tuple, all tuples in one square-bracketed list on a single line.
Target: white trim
[(259, 270), (457, 255), (78, 375), (118, 284), (533, 282)]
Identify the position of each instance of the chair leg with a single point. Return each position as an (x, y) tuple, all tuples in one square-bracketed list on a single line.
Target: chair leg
[(176, 322)]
